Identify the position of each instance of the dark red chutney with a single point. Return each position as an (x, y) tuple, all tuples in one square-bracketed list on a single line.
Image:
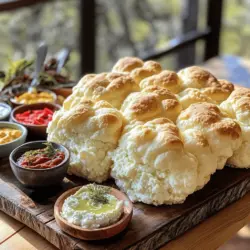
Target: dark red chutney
[(45, 158)]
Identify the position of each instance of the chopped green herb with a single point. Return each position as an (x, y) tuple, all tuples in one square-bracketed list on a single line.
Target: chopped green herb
[(98, 193)]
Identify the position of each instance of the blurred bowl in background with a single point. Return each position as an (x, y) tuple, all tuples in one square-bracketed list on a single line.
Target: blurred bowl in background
[(16, 103), (5, 149), (5, 111)]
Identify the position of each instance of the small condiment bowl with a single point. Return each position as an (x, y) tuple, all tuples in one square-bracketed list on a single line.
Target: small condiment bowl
[(5, 149), (15, 103), (8, 109), (99, 233), (38, 178), (37, 131)]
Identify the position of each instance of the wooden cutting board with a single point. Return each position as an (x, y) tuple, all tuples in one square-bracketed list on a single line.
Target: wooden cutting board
[(150, 228)]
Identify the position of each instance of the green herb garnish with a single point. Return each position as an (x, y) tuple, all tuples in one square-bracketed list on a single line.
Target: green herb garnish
[(48, 151), (98, 193)]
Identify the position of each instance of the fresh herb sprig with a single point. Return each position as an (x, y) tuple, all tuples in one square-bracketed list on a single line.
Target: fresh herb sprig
[(98, 193), (48, 151)]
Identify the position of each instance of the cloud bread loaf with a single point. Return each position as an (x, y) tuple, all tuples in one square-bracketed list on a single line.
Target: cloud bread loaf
[(151, 164), (90, 130), (152, 102), (137, 69), (210, 136), (110, 87), (237, 106), (166, 79)]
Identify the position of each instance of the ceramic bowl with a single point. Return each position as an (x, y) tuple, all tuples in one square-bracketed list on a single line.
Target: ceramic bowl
[(8, 108), (99, 233), (35, 131), (38, 178), (5, 149)]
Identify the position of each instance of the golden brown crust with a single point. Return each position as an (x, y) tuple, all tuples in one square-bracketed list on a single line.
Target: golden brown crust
[(152, 102), (219, 93), (149, 68), (209, 115), (112, 87), (170, 134), (196, 77), (202, 113), (127, 64), (166, 79), (240, 92)]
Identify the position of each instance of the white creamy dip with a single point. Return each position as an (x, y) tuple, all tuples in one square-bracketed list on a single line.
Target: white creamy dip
[(80, 209)]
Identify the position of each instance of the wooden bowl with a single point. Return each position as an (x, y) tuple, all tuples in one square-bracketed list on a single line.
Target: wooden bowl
[(94, 234), (37, 131)]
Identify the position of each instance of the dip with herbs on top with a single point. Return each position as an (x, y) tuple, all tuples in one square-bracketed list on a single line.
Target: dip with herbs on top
[(92, 206), (47, 157)]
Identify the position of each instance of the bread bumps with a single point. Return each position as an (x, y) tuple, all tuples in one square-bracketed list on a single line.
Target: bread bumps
[(159, 134), (90, 131), (210, 136), (152, 166), (237, 106)]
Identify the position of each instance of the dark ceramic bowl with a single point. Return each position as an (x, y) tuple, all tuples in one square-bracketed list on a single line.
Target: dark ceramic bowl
[(35, 131), (8, 108), (38, 178)]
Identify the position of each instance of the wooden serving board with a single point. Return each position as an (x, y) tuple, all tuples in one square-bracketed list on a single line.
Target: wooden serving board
[(150, 228)]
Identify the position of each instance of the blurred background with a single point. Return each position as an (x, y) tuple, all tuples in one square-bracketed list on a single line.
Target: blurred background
[(177, 33), (101, 31)]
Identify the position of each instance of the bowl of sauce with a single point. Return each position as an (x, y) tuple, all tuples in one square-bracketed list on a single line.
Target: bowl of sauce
[(39, 96), (11, 136), (93, 212), (35, 117), (5, 111), (40, 164)]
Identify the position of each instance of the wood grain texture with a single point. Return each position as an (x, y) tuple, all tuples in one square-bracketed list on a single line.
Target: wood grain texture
[(8, 227), (26, 239), (150, 228), (216, 230)]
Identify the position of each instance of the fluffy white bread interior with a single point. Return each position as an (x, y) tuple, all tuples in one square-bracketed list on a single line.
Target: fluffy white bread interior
[(90, 131), (136, 68), (152, 102), (151, 164), (210, 136), (110, 87), (237, 106), (192, 95)]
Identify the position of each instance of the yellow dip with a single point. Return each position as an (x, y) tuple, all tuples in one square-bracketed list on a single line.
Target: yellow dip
[(34, 97), (9, 134)]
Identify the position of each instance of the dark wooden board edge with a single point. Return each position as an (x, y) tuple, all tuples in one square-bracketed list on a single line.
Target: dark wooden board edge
[(187, 221), (153, 241)]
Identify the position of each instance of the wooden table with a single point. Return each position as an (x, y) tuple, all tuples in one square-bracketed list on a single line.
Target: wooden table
[(210, 234)]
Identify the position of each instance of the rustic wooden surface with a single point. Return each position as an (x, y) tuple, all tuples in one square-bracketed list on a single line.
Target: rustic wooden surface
[(150, 227)]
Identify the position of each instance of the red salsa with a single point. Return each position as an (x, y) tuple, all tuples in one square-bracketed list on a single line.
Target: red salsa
[(35, 117), (47, 157)]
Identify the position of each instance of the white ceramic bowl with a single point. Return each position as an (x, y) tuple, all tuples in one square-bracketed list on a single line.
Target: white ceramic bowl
[(6, 149), (5, 117)]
